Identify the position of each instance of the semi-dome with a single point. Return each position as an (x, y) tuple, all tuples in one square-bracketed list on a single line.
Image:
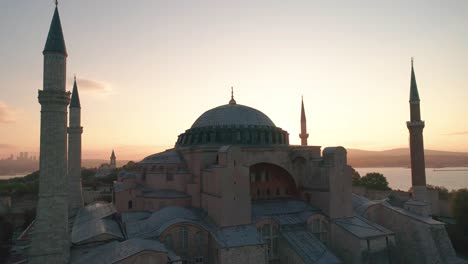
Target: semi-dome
[(232, 114), (233, 124)]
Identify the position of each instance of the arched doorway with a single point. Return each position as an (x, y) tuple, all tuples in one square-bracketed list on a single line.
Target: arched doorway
[(270, 181)]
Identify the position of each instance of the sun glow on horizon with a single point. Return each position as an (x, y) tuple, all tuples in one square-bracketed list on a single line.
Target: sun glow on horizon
[(147, 70)]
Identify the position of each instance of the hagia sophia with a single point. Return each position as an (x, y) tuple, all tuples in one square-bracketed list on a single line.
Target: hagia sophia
[(231, 190)]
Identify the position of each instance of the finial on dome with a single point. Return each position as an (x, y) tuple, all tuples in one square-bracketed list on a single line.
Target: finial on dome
[(56, 2), (232, 101)]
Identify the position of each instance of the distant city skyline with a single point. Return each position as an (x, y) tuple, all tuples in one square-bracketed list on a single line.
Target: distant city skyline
[(147, 69)]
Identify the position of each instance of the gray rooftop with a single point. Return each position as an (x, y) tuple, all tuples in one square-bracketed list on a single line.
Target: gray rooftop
[(116, 251), (94, 223), (362, 204), (308, 247), (238, 236), (361, 227), (134, 216), (160, 220), (96, 230), (169, 156), (97, 210), (232, 114), (279, 207)]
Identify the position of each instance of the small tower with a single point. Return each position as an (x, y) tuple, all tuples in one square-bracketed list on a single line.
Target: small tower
[(303, 134), (75, 199), (50, 239), (415, 127), (113, 163)]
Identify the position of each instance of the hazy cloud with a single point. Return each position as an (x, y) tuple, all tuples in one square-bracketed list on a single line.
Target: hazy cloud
[(6, 113), (88, 85), (460, 133)]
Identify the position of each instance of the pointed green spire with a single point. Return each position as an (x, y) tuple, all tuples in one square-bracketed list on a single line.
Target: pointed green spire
[(75, 98), (414, 95), (55, 41)]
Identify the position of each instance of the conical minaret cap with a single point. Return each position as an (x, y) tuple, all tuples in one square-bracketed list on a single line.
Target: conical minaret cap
[(303, 117), (55, 41), (75, 98), (414, 95)]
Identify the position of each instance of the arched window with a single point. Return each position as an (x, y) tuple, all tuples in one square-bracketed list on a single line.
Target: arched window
[(269, 234), (277, 191), (130, 204), (319, 227), (199, 243), (183, 238), (168, 241)]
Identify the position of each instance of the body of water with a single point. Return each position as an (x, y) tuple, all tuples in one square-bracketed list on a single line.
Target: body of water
[(400, 178)]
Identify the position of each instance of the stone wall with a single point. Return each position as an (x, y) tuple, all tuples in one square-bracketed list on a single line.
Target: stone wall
[(419, 239), (243, 255), (355, 250)]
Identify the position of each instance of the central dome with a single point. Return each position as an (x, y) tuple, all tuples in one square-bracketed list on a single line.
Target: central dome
[(233, 124), (232, 114)]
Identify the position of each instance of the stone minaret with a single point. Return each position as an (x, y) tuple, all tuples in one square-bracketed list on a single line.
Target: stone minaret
[(415, 127), (113, 163), (75, 195), (50, 239), (303, 134)]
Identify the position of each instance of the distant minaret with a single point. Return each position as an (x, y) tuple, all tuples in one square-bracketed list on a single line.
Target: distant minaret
[(75, 198), (303, 134), (50, 239), (415, 127), (113, 163)]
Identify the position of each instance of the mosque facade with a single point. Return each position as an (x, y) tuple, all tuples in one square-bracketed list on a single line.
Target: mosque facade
[(231, 190)]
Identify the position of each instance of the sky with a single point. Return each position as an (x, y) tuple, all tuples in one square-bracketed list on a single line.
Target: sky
[(147, 69)]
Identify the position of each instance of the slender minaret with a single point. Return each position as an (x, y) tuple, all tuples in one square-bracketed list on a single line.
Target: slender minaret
[(50, 238), (415, 127), (303, 134), (75, 195), (113, 163)]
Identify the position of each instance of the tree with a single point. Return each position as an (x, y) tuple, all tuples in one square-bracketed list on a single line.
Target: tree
[(356, 176), (460, 209), (375, 181)]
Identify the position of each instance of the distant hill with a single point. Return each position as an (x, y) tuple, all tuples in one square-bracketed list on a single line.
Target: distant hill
[(95, 163), (401, 158)]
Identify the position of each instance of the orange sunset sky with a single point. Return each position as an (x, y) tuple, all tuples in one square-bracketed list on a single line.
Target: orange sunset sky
[(147, 69)]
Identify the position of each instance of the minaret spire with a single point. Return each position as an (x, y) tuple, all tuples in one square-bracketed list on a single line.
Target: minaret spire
[(414, 94), (418, 167), (75, 194), (232, 101), (303, 134), (113, 160), (55, 40), (75, 98), (50, 242)]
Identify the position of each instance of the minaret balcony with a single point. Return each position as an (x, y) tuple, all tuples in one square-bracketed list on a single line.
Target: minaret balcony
[(415, 124)]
